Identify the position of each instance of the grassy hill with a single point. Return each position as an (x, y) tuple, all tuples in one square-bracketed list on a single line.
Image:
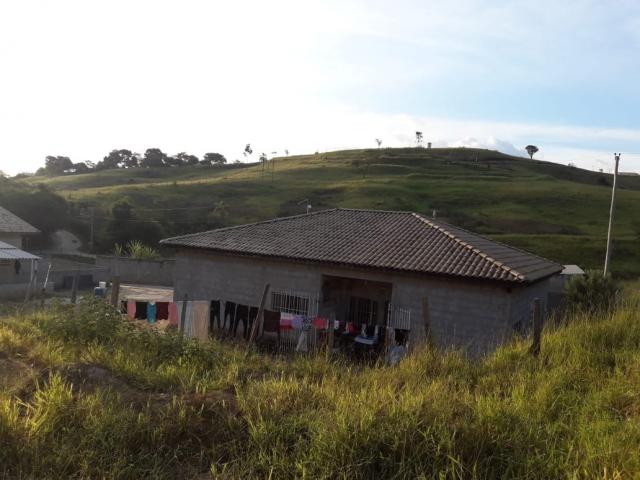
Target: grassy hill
[(556, 211), (84, 394)]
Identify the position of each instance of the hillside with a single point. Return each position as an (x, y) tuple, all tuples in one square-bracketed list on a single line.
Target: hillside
[(85, 394), (556, 211)]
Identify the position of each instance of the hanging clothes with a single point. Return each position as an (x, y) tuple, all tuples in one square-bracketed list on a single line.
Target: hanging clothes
[(131, 309), (185, 323), (286, 321), (141, 310), (174, 317), (303, 340), (151, 312), (297, 322), (320, 323), (201, 320), (271, 321), (162, 312)]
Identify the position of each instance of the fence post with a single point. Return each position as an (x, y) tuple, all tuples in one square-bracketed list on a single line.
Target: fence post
[(115, 290), (183, 313), (537, 327), (74, 288), (258, 322), (330, 334), (426, 317)]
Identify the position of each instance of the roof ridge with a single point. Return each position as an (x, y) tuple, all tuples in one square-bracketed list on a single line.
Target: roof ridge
[(262, 222), (497, 263)]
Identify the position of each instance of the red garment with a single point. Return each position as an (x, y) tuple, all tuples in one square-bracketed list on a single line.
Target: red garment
[(162, 310), (320, 323)]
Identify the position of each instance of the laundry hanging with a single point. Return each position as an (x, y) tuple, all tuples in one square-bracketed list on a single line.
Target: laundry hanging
[(131, 309), (185, 323), (174, 317), (286, 321), (151, 312), (201, 320), (162, 310)]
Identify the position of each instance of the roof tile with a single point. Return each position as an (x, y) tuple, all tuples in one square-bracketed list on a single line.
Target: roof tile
[(400, 241)]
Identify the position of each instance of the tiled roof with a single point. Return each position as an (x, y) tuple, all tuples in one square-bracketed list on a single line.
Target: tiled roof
[(10, 223), (397, 241)]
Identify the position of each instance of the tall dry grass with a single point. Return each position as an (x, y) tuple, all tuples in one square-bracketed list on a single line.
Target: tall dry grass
[(573, 412)]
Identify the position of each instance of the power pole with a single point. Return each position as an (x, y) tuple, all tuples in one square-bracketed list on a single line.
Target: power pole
[(611, 213), (91, 232)]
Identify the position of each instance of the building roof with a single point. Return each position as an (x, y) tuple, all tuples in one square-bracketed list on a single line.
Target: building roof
[(397, 241), (9, 252), (11, 223), (572, 270)]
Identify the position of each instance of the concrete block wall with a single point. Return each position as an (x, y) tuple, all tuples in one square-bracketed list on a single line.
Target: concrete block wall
[(204, 276), (475, 316), (522, 304), (462, 314), (149, 272)]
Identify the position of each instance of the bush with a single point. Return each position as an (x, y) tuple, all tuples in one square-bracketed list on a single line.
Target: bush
[(591, 293)]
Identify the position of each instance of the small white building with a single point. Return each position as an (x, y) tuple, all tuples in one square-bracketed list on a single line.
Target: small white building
[(18, 271), (13, 229)]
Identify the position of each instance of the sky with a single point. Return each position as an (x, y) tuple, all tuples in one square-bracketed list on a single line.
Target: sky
[(80, 78)]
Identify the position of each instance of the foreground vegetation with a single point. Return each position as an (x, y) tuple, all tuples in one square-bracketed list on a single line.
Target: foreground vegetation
[(83, 394), (553, 210)]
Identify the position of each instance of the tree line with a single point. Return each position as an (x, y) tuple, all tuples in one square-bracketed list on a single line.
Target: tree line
[(123, 158)]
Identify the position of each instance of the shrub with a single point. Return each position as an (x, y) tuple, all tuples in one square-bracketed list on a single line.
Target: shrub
[(591, 293)]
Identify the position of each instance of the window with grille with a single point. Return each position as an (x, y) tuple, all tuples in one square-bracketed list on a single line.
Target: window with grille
[(290, 303)]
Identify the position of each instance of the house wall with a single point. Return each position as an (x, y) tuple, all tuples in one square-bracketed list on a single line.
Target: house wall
[(130, 270), (472, 315), (14, 239)]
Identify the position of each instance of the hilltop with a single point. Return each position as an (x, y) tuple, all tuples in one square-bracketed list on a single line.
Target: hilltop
[(554, 210)]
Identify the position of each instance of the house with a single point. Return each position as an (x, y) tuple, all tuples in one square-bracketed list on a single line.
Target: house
[(14, 230), (398, 270), (17, 271)]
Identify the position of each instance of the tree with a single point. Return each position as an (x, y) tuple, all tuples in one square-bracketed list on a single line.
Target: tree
[(120, 158), (80, 167), (418, 139), (286, 152), (57, 165), (153, 157), (124, 227), (214, 158), (379, 142), (531, 150), (187, 159), (247, 150)]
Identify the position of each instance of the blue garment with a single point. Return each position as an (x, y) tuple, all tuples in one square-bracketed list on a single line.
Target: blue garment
[(151, 312)]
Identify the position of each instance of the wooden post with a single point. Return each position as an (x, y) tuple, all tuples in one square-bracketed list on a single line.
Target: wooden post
[(537, 327), (330, 334), (74, 288), (115, 290), (426, 318), (183, 313), (44, 286), (259, 321)]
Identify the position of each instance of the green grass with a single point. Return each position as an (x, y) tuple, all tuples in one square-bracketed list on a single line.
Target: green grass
[(555, 207), (168, 408)]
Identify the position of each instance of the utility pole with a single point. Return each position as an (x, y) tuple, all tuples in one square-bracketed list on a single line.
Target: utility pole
[(607, 257), (91, 231)]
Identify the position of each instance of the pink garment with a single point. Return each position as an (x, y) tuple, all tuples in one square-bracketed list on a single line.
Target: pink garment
[(286, 321), (173, 314), (131, 309)]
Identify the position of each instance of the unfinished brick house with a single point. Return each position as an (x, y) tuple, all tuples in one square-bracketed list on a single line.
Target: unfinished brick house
[(384, 268)]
